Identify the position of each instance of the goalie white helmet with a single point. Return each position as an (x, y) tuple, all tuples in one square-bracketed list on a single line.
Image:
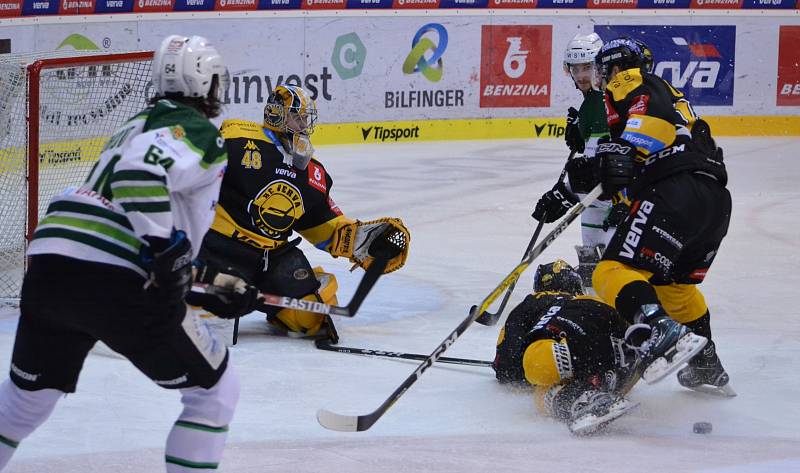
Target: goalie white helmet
[(579, 60), (187, 66)]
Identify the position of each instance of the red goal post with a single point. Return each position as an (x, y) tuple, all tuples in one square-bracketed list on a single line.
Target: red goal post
[(57, 109)]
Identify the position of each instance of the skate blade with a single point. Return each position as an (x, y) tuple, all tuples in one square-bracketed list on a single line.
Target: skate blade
[(719, 391), (590, 424), (686, 348)]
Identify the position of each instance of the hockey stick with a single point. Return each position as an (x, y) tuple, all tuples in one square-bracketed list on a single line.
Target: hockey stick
[(324, 345), (488, 318), (359, 423), (266, 300)]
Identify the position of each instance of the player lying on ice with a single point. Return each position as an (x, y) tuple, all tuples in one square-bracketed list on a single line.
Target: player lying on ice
[(273, 187), (571, 348)]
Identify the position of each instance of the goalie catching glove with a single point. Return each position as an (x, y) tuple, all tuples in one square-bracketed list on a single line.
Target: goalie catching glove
[(362, 242), (226, 296)]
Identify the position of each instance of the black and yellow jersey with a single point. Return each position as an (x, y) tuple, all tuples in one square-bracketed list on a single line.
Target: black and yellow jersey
[(263, 200), (653, 116), (592, 329)]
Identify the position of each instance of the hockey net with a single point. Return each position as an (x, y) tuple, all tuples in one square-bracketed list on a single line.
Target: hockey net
[(57, 109)]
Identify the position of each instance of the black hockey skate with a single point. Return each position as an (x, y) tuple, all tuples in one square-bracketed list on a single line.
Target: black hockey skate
[(670, 345), (705, 374), (594, 410)]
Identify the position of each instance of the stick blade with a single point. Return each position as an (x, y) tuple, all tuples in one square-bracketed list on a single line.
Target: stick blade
[(340, 423), (487, 318)]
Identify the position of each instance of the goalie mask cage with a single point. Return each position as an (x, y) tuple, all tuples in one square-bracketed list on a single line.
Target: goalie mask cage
[(57, 109)]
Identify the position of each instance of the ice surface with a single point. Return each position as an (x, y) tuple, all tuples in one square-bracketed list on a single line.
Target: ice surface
[(467, 205)]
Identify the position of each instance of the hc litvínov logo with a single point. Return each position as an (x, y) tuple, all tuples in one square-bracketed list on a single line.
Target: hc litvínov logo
[(348, 56), (432, 67)]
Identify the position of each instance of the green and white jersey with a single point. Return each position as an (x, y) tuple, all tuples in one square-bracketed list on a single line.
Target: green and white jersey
[(161, 170), (592, 120)]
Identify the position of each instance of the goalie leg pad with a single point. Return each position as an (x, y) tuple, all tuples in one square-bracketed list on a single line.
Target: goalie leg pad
[(361, 242), (295, 322)]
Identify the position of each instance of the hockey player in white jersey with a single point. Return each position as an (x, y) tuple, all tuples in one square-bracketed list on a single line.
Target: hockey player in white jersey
[(584, 128), (112, 261)]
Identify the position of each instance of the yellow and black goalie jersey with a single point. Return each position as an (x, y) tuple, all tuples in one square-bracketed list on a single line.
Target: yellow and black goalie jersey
[(263, 200)]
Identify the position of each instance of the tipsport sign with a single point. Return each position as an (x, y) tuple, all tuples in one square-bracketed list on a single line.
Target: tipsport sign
[(515, 65), (697, 60)]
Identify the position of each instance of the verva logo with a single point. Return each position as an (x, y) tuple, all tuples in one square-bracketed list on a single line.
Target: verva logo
[(512, 3), (152, 5), (788, 72), (698, 60), (324, 4), (40, 7), (515, 66), (10, 8)]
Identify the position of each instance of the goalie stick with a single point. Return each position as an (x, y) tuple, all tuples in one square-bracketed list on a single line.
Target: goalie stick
[(369, 279), (323, 344), (359, 423), (490, 319)]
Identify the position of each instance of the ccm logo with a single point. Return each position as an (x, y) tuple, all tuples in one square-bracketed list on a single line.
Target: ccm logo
[(613, 148)]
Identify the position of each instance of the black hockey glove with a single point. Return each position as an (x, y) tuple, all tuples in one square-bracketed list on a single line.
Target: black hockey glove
[(616, 215), (583, 173), (572, 134), (617, 165), (554, 203), (227, 296), (170, 265), (226, 303)]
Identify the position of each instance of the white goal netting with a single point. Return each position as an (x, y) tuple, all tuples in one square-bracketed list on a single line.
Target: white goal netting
[(60, 107)]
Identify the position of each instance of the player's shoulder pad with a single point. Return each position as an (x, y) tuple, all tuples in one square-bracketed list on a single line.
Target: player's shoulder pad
[(624, 83), (234, 128), (188, 125)]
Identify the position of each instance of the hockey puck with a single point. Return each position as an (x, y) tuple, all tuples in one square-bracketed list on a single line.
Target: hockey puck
[(701, 427)]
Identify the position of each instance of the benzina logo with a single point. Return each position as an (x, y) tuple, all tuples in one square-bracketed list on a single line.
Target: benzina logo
[(788, 72), (512, 3), (515, 66), (238, 4), (415, 4), (612, 4), (9, 8), (382, 134), (324, 4), (153, 5), (716, 3)]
